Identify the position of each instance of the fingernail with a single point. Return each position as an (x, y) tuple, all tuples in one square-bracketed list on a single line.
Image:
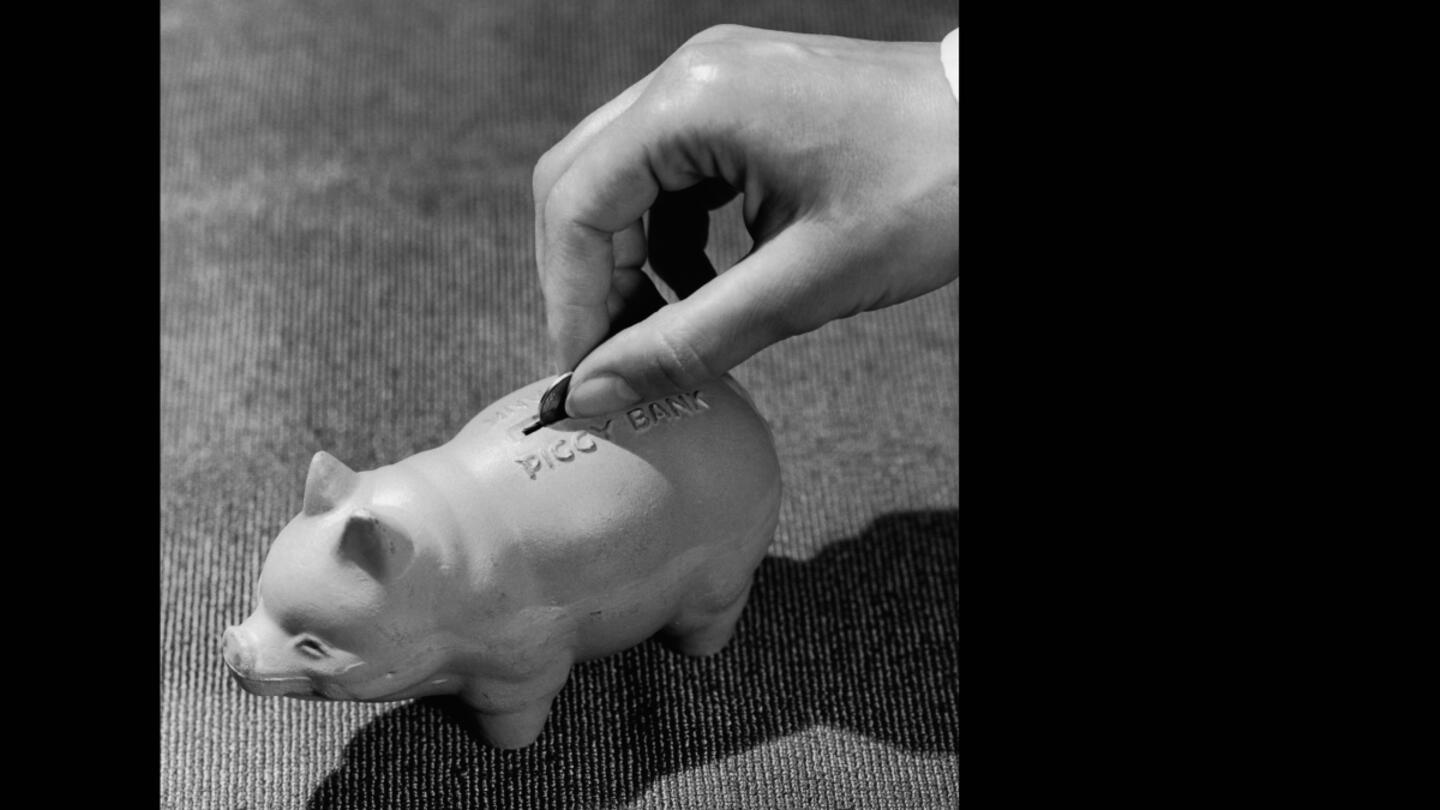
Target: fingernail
[(600, 395)]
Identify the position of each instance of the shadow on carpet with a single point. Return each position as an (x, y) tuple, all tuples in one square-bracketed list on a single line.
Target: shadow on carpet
[(864, 637)]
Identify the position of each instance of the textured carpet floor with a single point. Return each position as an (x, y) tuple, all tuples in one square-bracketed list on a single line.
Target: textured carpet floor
[(347, 265)]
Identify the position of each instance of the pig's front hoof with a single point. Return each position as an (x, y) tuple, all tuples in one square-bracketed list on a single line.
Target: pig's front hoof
[(514, 729), (700, 643)]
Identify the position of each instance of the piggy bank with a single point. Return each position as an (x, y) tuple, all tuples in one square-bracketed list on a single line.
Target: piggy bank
[(486, 567)]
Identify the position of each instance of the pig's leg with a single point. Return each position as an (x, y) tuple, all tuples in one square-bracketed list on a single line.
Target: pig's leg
[(519, 728), (706, 626), (517, 719)]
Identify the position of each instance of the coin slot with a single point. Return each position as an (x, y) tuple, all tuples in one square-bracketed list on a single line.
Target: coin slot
[(518, 430)]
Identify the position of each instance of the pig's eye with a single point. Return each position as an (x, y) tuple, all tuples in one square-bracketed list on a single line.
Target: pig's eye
[(310, 647)]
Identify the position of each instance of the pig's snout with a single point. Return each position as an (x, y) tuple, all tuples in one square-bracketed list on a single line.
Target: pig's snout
[(239, 653)]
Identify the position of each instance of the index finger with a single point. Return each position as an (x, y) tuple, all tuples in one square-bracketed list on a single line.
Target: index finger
[(607, 187), (558, 158)]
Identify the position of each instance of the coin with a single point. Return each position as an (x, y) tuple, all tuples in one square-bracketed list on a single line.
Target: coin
[(552, 403)]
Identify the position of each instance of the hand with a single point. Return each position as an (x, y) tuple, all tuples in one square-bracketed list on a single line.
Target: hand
[(846, 152)]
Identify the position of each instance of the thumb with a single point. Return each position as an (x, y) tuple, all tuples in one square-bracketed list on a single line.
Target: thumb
[(774, 293)]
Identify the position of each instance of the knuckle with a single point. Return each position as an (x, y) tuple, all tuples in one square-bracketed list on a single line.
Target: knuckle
[(686, 89), (716, 33), (547, 170), (701, 63), (678, 362), (561, 209)]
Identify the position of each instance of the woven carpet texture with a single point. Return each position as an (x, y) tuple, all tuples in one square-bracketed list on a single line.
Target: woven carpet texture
[(347, 264)]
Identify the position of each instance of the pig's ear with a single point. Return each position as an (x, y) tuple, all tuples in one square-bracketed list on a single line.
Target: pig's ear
[(382, 550), (327, 484)]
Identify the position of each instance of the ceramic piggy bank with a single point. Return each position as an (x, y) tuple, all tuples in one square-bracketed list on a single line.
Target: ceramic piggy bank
[(486, 567)]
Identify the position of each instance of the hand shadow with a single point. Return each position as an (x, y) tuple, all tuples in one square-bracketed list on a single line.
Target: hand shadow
[(863, 637)]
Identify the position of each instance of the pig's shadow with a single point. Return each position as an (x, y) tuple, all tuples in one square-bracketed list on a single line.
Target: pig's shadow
[(863, 637)]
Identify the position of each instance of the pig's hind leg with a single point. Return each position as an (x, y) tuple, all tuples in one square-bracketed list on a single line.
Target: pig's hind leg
[(707, 623), (706, 620)]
